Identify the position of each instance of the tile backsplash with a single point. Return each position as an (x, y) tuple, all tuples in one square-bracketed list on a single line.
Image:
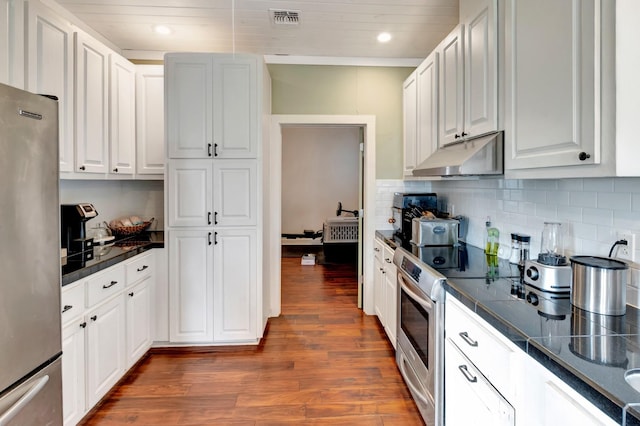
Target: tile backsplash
[(592, 211)]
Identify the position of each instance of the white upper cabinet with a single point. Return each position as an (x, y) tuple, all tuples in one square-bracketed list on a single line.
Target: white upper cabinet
[(213, 105), (49, 63), (235, 106), (409, 122), (420, 113), (627, 64), (189, 105), (235, 196), (469, 74), (12, 28), (189, 192), (479, 19), (150, 119), (92, 104), (451, 95), (427, 118), (122, 118), (553, 84)]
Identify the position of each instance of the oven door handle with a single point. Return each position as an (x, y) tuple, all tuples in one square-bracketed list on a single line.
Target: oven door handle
[(414, 389), (426, 303)]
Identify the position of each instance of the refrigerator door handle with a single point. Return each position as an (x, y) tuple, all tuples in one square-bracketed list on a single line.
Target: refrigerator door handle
[(23, 401)]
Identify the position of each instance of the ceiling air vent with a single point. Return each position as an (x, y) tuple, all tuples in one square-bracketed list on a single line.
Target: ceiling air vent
[(285, 17)]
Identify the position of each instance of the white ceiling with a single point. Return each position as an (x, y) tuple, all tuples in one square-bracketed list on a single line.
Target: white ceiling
[(327, 28)]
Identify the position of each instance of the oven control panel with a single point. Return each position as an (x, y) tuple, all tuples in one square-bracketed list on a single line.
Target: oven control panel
[(411, 268)]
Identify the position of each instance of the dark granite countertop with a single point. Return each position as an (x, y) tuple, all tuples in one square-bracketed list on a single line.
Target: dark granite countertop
[(588, 351), (74, 267)]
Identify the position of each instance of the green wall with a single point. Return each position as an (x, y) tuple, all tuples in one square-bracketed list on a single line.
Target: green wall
[(347, 90)]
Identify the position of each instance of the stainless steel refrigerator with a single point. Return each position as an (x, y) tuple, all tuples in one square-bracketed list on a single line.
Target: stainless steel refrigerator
[(30, 340)]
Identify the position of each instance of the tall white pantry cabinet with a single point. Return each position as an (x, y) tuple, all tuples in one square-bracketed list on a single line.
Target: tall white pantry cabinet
[(215, 104)]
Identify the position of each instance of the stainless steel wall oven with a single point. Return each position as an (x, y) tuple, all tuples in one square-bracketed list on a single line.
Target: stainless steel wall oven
[(420, 348)]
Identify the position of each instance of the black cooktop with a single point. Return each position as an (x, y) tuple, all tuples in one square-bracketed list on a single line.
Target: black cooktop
[(463, 261)]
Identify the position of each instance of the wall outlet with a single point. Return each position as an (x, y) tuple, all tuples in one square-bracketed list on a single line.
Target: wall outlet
[(627, 252)]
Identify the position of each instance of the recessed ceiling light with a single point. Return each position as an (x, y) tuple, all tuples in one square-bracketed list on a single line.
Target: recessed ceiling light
[(162, 29), (384, 37)]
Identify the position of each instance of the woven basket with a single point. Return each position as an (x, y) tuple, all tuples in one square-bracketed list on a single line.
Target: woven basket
[(126, 231)]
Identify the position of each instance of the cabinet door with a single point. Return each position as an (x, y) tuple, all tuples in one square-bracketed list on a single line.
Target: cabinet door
[(409, 122), (391, 296), (191, 286), (427, 124), (481, 68), (73, 368), (190, 193), (189, 83), (105, 348), (122, 122), (552, 87), (12, 49), (379, 295), (235, 195), (49, 52), (235, 106), (150, 119), (138, 306), (92, 78), (235, 302), (451, 93), (549, 400)]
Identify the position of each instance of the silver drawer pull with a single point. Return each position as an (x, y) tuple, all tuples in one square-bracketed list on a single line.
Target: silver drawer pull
[(465, 372), (468, 339), (111, 284), (143, 268)]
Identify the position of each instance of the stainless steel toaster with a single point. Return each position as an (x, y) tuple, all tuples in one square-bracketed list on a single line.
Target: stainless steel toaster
[(434, 232)]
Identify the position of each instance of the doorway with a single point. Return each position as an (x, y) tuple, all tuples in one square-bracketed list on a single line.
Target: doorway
[(321, 186), (273, 202)]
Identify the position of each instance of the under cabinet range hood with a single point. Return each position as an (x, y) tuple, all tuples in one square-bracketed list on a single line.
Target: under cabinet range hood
[(481, 156)]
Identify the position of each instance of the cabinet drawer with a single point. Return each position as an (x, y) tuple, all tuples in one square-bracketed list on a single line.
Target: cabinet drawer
[(72, 298), (105, 284), (378, 247), (140, 267), (482, 347)]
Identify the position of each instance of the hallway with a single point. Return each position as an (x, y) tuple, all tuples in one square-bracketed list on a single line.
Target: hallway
[(322, 362)]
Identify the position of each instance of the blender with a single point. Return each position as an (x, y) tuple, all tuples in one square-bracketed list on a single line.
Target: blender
[(549, 276)]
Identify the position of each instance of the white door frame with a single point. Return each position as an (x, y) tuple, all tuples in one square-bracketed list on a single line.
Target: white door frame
[(273, 190)]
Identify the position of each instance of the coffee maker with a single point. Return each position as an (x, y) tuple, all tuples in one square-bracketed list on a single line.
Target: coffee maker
[(73, 218)]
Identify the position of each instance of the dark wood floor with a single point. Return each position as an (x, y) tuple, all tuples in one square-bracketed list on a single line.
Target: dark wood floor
[(322, 362)]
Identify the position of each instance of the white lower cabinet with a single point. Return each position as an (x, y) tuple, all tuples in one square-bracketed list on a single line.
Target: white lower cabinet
[(490, 381), (234, 286), (105, 348), (213, 285), (386, 289), (73, 371), (476, 400), (106, 329), (190, 285), (138, 308), (552, 401)]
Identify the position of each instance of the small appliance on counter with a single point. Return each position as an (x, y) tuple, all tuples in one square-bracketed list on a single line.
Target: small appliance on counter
[(73, 218), (406, 206), (599, 285), (551, 272)]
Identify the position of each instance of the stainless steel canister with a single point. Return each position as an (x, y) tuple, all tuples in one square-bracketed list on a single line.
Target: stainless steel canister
[(599, 285)]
